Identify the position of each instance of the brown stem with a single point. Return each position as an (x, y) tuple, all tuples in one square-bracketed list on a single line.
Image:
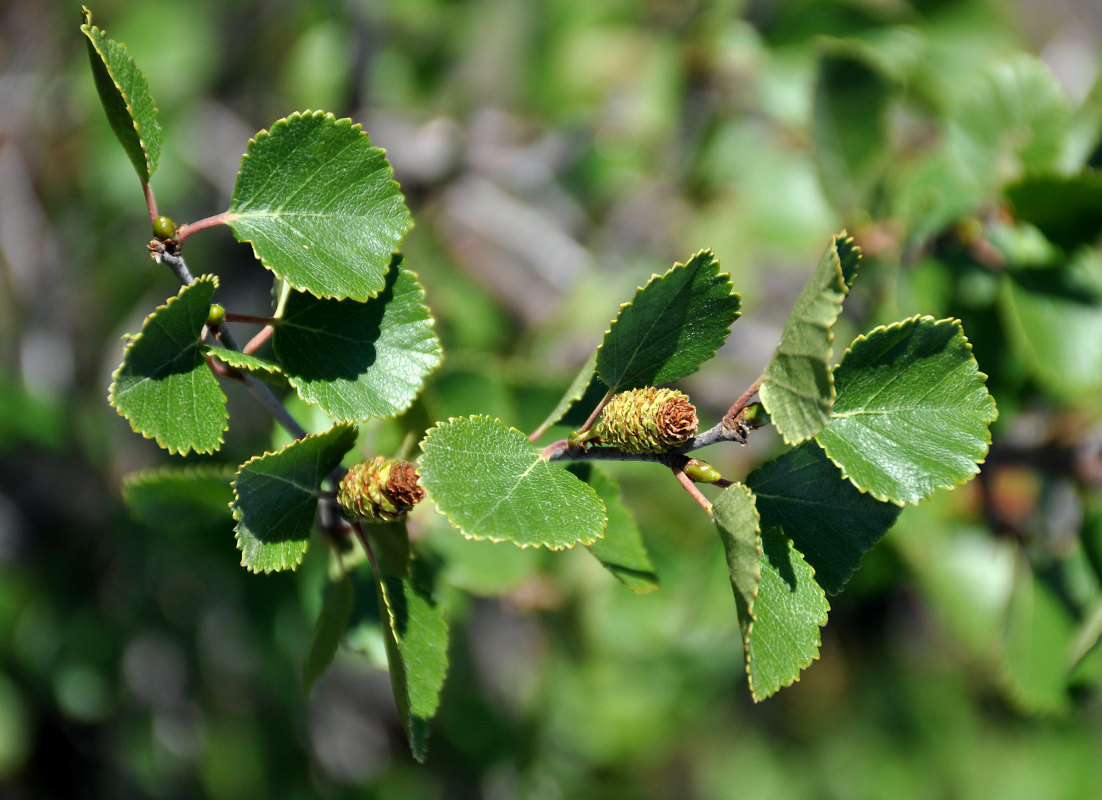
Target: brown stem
[(258, 341), (690, 487), (230, 317), (741, 403), (151, 202), (189, 228)]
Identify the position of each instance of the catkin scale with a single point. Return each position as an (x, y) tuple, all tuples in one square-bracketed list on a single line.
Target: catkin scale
[(379, 490), (647, 420)]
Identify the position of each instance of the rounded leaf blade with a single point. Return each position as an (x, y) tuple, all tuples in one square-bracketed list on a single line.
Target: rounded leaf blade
[(163, 386), (912, 411), (492, 483), (320, 206)]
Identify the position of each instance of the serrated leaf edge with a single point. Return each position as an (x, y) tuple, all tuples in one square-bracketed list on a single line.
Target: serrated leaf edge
[(266, 133), (656, 277), (292, 380), (983, 376), (234, 507), (262, 365), (472, 537), (131, 340), (818, 631), (87, 28), (149, 475)]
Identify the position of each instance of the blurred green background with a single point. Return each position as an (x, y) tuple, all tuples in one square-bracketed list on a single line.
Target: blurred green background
[(556, 154)]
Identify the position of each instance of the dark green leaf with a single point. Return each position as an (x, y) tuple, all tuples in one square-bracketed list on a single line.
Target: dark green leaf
[(673, 325), (359, 360), (621, 549), (912, 411), (492, 483), (1066, 208), (164, 387), (328, 630), (738, 525), (244, 362), (804, 496), (574, 393), (193, 498), (797, 387), (275, 498), (320, 206), (850, 128), (416, 637), (125, 96)]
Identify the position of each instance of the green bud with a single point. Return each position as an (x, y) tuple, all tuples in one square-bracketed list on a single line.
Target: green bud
[(217, 315), (647, 420), (702, 471), (164, 228), (755, 416), (379, 490)]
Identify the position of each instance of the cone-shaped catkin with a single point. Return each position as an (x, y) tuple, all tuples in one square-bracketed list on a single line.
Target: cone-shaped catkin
[(380, 490), (647, 420)]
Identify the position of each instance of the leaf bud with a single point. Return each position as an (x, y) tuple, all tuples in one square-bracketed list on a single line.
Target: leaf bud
[(164, 228), (647, 420), (755, 416), (702, 471), (380, 490), (217, 315)]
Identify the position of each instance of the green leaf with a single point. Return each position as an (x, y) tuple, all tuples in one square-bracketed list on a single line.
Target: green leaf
[(1066, 209), (328, 630), (1054, 321), (184, 498), (1016, 121), (573, 393), (621, 549), (492, 483), (797, 387), (673, 325), (416, 637), (849, 131), (275, 498), (359, 360), (1038, 641), (738, 525), (789, 610), (125, 96), (912, 411), (780, 605), (320, 206), (244, 362), (833, 524), (163, 387)]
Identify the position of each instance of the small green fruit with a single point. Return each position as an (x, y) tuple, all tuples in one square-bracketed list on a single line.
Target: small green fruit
[(164, 228), (216, 315)]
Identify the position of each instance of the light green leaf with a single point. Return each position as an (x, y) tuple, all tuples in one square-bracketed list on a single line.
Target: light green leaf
[(125, 96), (1038, 641), (163, 387), (1015, 121), (833, 524), (780, 605), (797, 388), (328, 630), (275, 498), (673, 325), (320, 206), (573, 393), (187, 498), (416, 637), (621, 549), (849, 129), (359, 360), (1054, 317), (244, 362), (912, 411), (789, 610), (492, 483)]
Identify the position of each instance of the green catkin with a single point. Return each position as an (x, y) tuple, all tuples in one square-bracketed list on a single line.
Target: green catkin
[(647, 420), (379, 490)]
